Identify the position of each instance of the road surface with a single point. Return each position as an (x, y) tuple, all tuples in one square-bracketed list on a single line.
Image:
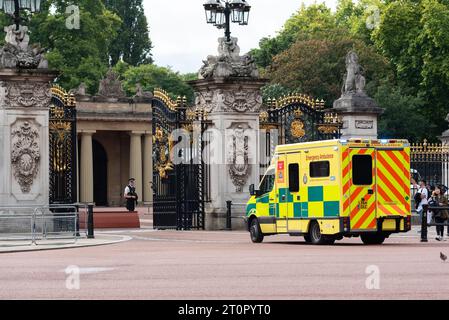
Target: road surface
[(226, 265)]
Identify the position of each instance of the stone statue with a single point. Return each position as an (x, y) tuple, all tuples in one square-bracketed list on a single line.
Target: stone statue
[(141, 93), (111, 86), (354, 82), (17, 52), (81, 90), (228, 63)]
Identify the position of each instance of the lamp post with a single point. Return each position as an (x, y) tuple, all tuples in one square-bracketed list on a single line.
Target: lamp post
[(13, 8), (220, 13)]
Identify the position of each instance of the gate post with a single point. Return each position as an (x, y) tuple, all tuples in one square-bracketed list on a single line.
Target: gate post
[(229, 92)]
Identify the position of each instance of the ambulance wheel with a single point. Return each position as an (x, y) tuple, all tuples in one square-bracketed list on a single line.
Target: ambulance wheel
[(255, 232), (307, 238), (315, 235), (370, 239)]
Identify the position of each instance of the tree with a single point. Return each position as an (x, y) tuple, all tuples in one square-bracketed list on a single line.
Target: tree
[(150, 77), (309, 22), (402, 117), (132, 43), (316, 67), (414, 36), (81, 55)]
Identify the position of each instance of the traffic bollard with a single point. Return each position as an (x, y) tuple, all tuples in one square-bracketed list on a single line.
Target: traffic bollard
[(90, 222), (229, 215), (425, 208)]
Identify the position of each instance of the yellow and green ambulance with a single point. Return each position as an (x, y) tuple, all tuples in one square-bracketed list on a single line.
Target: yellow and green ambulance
[(327, 190)]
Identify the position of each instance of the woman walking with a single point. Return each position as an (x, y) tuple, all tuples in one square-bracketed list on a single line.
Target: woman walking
[(441, 216)]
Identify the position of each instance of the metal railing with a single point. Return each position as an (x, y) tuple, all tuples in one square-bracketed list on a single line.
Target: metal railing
[(28, 225), (424, 223)]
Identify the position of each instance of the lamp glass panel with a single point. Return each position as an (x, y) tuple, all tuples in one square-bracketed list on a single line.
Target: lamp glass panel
[(237, 15), (35, 5), (245, 16), (211, 16), (220, 18), (25, 4), (9, 6)]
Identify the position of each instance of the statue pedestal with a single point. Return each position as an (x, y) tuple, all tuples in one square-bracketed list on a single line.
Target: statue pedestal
[(360, 114), (25, 98), (233, 106)]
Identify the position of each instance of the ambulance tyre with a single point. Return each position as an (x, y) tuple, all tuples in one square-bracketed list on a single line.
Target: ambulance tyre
[(255, 232), (371, 239), (316, 237)]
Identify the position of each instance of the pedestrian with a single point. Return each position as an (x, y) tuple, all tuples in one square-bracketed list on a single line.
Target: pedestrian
[(130, 195), (421, 197), (439, 200)]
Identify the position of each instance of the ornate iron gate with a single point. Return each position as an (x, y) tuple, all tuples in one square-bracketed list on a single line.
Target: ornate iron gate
[(293, 119), (179, 173), (63, 144), (430, 161)]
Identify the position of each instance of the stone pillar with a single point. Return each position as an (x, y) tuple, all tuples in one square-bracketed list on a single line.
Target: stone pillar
[(229, 92), (147, 167), (87, 168), (135, 161), (360, 113), (359, 120), (25, 98)]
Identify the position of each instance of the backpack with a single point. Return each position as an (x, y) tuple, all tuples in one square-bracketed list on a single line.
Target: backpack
[(418, 199)]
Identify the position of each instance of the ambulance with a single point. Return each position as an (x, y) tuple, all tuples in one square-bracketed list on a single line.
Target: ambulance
[(328, 190)]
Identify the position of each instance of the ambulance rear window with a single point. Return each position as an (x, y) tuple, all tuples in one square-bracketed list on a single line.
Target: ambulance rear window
[(293, 177), (320, 169), (362, 170)]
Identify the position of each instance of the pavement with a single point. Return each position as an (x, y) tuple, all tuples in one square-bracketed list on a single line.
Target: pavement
[(153, 264)]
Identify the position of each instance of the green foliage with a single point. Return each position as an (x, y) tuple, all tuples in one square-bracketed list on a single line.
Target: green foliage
[(274, 91), (414, 36), (402, 117), (316, 67), (80, 55), (150, 76), (403, 48), (132, 43)]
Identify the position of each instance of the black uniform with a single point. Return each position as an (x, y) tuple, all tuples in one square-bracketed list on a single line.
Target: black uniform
[(131, 202)]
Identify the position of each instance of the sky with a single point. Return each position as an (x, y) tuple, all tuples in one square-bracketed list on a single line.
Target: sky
[(182, 38)]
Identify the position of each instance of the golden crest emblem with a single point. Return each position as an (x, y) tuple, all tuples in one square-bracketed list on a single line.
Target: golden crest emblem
[(297, 129)]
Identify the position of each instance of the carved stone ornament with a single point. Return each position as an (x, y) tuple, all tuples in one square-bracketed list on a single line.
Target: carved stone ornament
[(238, 158), (111, 86), (364, 124), (229, 100), (17, 53), (26, 95), (25, 154), (228, 63)]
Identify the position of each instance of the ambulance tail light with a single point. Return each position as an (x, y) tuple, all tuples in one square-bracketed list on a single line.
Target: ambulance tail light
[(346, 224), (408, 223)]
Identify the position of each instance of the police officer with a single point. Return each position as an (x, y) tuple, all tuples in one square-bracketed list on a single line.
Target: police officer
[(130, 195)]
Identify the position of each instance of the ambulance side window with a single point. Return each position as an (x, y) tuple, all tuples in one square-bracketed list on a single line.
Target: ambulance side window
[(320, 169), (362, 170), (293, 177), (267, 183)]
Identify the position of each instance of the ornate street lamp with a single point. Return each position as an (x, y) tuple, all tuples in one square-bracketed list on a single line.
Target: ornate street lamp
[(220, 13), (13, 7)]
